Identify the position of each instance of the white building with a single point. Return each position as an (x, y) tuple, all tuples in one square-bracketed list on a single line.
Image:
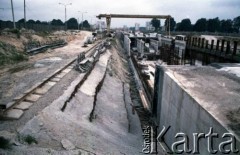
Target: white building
[(149, 26), (125, 28), (101, 25), (137, 27)]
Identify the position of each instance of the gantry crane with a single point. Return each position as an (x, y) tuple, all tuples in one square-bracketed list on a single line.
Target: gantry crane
[(109, 16)]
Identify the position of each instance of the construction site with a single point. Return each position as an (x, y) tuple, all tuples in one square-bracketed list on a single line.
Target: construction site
[(118, 91)]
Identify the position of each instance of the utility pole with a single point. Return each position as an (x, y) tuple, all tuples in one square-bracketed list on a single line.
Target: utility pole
[(78, 23), (14, 25), (82, 18), (65, 5), (24, 13), (169, 28), (0, 14)]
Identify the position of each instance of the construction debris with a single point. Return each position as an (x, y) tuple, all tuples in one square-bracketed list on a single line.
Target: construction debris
[(85, 63)]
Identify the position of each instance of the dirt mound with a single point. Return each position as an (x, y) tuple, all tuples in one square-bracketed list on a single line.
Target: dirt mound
[(14, 42), (10, 54)]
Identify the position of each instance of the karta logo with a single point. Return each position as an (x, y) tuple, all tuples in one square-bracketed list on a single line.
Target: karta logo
[(181, 145)]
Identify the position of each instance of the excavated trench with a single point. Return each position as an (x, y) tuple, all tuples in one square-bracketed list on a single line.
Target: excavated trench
[(81, 82), (144, 115), (98, 88), (78, 86)]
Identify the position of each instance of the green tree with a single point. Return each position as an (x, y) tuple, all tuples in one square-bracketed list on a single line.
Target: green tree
[(45, 23), (156, 23), (213, 25), (30, 21), (185, 25), (172, 23), (236, 24), (21, 20), (38, 22), (86, 24), (200, 25), (72, 23), (56, 22), (226, 26)]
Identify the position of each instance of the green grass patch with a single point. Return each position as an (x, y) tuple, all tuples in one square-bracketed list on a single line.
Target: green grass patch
[(15, 31), (10, 55), (30, 139)]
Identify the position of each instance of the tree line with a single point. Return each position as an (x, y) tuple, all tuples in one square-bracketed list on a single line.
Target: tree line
[(72, 23), (202, 25)]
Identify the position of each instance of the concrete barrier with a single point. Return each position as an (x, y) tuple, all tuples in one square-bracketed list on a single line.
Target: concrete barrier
[(186, 100)]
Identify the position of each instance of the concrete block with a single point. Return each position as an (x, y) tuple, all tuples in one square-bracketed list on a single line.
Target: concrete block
[(23, 105), (43, 89), (204, 116), (51, 83), (32, 97), (61, 75), (19, 97), (13, 114), (55, 79), (66, 70), (195, 111), (33, 87), (56, 71), (187, 104), (67, 144), (9, 104), (71, 66)]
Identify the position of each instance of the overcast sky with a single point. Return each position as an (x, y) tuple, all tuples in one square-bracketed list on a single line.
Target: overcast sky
[(46, 10)]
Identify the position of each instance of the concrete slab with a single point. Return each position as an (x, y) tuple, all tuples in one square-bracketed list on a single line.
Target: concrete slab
[(61, 75), (33, 87), (211, 96), (89, 86), (7, 105), (66, 70), (55, 79), (32, 97), (23, 105), (18, 97), (43, 89), (14, 114), (67, 144), (51, 83)]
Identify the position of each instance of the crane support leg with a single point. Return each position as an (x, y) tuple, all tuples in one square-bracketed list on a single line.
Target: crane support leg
[(108, 20)]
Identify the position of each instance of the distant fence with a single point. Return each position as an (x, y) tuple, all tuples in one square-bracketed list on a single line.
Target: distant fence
[(35, 27), (214, 50), (205, 33)]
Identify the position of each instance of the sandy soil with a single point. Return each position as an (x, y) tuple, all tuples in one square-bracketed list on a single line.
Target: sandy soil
[(17, 78)]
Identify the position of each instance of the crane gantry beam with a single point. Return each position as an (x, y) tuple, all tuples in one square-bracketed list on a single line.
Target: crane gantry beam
[(109, 16), (132, 16)]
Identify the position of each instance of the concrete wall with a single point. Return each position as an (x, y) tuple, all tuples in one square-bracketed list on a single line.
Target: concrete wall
[(164, 41), (176, 108), (181, 47), (154, 44), (140, 46), (127, 43)]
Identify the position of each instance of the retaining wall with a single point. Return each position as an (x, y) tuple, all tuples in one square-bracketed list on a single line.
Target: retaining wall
[(174, 106)]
